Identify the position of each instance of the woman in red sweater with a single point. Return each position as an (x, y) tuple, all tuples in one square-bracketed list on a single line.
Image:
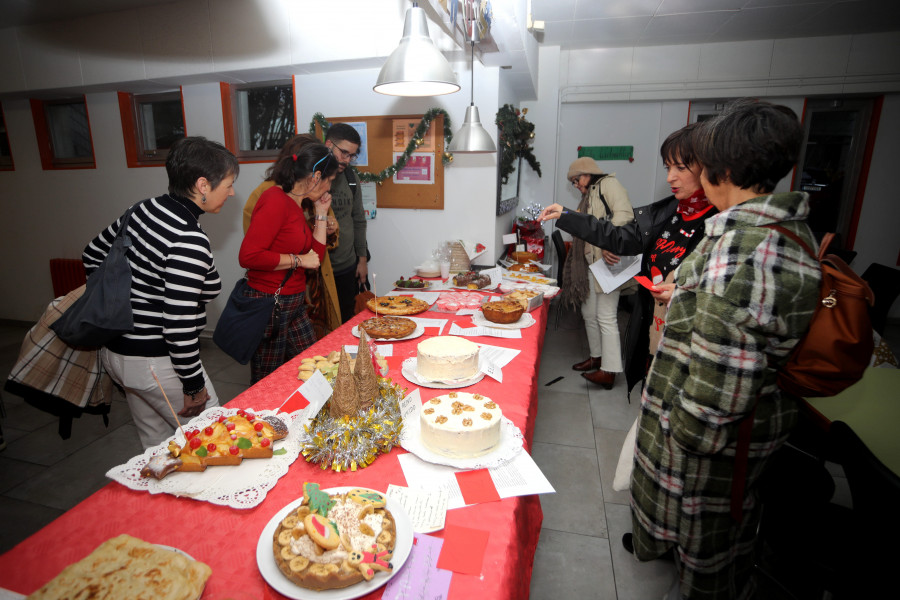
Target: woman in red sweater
[(279, 245)]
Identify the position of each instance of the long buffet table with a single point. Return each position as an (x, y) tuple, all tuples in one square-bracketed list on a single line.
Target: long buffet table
[(226, 538)]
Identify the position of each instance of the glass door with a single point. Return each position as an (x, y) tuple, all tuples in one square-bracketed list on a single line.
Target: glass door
[(832, 160)]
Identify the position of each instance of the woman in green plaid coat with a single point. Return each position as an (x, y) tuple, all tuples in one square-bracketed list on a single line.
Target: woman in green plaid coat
[(744, 298)]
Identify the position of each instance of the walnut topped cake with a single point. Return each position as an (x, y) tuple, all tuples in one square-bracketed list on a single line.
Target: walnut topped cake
[(460, 425)]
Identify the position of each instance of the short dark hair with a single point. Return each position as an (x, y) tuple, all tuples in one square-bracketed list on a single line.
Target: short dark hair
[(191, 158), (341, 131), (679, 147), (753, 144), (309, 158)]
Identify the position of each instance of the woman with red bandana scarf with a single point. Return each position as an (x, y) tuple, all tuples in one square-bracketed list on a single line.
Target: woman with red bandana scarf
[(665, 232)]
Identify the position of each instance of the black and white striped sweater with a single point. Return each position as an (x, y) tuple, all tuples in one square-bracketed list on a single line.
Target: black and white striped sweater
[(173, 277)]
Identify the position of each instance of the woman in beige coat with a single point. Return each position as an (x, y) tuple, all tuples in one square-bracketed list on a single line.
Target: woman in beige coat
[(605, 198)]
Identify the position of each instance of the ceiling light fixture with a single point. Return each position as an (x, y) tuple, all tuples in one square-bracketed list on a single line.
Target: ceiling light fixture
[(472, 137), (416, 67)]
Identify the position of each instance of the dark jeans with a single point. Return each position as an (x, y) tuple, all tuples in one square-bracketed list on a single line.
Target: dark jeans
[(347, 288)]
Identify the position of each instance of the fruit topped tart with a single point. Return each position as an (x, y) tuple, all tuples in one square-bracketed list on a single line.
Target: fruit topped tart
[(227, 441)]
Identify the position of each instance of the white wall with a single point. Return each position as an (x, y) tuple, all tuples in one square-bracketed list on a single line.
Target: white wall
[(637, 96)]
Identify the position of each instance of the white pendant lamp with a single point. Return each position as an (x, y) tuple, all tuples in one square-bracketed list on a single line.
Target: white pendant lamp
[(472, 137), (416, 67)]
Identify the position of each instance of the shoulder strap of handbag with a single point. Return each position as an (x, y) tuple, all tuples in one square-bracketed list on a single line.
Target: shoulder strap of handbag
[(602, 199), (123, 228), (278, 291)]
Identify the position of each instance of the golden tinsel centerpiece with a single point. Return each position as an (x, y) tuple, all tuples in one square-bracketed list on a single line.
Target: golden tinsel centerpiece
[(361, 419)]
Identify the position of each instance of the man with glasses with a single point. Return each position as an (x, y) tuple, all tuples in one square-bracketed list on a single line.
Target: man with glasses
[(350, 259)]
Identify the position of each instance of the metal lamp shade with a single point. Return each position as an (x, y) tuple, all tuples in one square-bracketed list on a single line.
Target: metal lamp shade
[(472, 137), (416, 67)]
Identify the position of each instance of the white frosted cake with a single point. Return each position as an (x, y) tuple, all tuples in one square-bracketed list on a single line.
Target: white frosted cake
[(460, 425), (447, 358)]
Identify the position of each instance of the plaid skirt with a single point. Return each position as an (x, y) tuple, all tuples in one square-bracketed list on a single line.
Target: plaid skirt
[(293, 335)]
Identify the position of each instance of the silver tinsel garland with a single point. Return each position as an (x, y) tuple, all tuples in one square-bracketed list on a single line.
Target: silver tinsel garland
[(351, 443)]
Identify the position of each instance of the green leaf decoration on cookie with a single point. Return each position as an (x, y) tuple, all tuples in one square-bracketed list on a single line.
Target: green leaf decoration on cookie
[(201, 451), (244, 443), (319, 501), (280, 451), (373, 497)]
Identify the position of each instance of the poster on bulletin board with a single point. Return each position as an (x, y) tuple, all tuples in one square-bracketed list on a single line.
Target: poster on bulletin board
[(419, 169)]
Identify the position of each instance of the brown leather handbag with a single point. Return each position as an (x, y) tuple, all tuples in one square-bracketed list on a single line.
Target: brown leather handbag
[(364, 295), (837, 348)]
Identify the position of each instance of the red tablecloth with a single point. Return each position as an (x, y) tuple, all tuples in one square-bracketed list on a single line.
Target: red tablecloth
[(226, 538)]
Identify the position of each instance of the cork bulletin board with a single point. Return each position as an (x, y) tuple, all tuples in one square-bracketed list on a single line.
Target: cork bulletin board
[(421, 183)]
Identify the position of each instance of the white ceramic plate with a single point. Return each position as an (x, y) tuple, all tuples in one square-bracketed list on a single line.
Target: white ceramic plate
[(526, 320), (265, 560), (418, 331), (408, 368), (511, 442)]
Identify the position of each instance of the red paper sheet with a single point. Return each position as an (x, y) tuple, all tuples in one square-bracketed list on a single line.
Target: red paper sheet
[(295, 401), (477, 486), (463, 549), (645, 281)]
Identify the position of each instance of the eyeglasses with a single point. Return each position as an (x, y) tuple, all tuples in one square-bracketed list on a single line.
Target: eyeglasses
[(344, 153), (575, 181)]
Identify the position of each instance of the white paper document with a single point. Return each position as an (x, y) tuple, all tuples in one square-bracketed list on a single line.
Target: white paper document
[(496, 275), (384, 350), (497, 355), (518, 477), (316, 390), (485, 331), (426, 509), (439, 323), (610, 277)]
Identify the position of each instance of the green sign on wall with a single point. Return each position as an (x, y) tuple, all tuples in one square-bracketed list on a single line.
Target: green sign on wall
[(607, 152)]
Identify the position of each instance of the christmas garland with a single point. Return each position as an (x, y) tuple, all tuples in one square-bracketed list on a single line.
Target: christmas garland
[(416, 141), (515, 134)]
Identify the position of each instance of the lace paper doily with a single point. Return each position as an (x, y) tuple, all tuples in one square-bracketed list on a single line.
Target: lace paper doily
[(511, 441), (240, 486)]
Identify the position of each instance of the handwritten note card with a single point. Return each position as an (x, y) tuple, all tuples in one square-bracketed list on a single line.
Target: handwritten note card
[(426, 509)]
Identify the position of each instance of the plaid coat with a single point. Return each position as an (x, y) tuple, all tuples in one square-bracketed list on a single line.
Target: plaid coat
[(744, 298), (48, 365)]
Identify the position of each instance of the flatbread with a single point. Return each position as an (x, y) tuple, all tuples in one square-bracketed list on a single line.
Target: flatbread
[(127, 567), (397, 305)]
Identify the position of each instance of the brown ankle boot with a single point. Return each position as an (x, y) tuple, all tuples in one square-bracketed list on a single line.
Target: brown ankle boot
[(587, 365), (601, 378)]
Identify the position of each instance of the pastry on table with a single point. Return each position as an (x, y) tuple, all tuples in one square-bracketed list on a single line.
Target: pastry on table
[(227, 441), (502, 311), (335, 540), (396, 305), (127, 567), (388, 327)]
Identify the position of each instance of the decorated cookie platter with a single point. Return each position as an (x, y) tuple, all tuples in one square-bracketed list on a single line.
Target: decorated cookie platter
[(265, 561)]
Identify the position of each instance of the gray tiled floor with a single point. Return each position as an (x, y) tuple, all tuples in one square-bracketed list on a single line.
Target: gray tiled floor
[(577, 439)]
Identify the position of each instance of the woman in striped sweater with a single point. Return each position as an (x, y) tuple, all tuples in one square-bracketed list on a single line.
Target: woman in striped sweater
[(173, 277)]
